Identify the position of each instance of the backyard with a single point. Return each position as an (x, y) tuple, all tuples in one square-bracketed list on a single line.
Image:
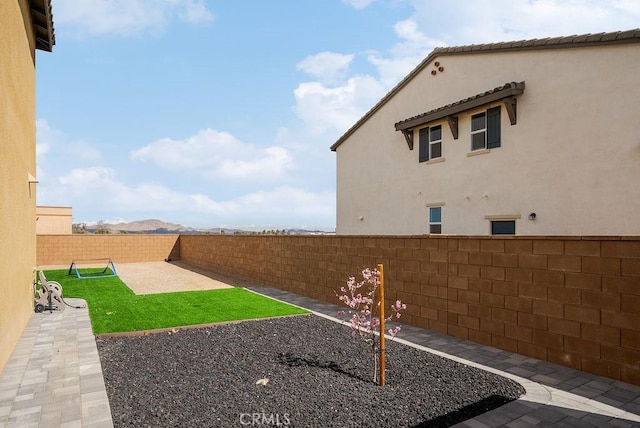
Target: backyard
[(115, 308), (281, 366)]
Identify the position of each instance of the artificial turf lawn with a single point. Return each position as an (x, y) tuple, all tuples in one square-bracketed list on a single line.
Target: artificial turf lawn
[(114, 308)]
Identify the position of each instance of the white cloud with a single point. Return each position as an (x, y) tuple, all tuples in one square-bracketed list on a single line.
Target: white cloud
[(99, 188), (195, 12), (485, 21), (329, 67), (404, 55), (328, 105), (213, 154), (53, 144), (358, 4), (287, 200), (275, 161), (324, 108), (45, 137), (49, 137), (126, 17), (82, 178)]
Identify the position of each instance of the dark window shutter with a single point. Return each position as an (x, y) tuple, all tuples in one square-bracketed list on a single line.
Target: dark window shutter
[(424, 144), (493, 127)]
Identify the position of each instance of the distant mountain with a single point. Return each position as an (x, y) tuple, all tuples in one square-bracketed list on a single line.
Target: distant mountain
[(147, 225), (154, 226)]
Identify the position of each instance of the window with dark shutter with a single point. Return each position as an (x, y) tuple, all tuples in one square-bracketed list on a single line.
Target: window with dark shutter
[(423, 143), (493, 128)]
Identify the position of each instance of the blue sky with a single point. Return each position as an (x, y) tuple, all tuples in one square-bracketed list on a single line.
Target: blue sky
[(221, 113)]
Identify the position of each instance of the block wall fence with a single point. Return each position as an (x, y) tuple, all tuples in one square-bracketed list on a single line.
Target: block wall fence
[(574, 301), (60, 250)]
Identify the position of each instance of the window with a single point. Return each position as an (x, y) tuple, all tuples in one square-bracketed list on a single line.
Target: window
[(503, 227), (430, 140), (485, 129), (435, 219), (478, 131)]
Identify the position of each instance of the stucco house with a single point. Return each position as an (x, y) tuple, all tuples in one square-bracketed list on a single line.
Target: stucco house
[(25, 26), (531, 137)]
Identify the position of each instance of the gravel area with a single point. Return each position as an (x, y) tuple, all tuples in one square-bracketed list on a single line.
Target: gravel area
[(314, 374)]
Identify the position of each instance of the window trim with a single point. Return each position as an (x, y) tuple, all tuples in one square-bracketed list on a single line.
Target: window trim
[(493, 222), (478, 152), (482, 130), (431, 206), (503, 217), (434, 142)]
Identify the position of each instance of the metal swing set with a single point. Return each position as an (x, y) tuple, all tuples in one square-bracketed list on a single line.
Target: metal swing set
[(87, 268)]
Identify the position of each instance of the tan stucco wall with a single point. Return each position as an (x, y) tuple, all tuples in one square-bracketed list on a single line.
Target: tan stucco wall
[(17, 161), (54, 220), (573, 157)]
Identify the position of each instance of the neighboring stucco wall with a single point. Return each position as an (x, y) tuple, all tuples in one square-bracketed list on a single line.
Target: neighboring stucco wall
[(17, 161), (54, 220), (573, 157)]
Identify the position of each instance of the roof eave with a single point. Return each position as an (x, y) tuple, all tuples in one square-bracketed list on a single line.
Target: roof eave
[(508, 90), (42, 18)]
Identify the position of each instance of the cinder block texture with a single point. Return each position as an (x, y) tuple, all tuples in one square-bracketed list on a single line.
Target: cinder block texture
[(63, 249), (574, 301)]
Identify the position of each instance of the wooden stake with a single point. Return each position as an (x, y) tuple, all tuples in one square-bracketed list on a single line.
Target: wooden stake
[(381, 313)]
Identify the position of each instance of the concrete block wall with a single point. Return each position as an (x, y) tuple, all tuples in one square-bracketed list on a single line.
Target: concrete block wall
[(62, 249), (574, 301)]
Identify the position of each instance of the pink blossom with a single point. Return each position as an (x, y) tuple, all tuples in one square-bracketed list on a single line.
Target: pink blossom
[(360, 296)]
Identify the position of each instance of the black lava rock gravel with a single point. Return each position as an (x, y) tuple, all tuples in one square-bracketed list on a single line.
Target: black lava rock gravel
[(313, 372)]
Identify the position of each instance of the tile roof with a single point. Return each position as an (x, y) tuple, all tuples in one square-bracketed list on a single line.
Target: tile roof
[(42, 18), (501, 92), (575, 41)]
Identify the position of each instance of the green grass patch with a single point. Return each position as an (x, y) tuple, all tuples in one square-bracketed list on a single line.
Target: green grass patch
[(114, 308)]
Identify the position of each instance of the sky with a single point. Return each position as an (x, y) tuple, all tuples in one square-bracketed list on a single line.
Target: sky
[(218, 113)]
